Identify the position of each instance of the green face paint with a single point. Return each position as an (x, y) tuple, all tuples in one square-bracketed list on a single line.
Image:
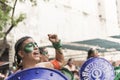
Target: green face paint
[(44, 53), (30, 47)]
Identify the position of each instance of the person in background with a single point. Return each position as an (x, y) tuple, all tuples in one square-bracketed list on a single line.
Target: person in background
[(72, 67), (27, 54), (44, 53), (10, 71), (114, 64), (2, 76), (45, 57), (92, 53)]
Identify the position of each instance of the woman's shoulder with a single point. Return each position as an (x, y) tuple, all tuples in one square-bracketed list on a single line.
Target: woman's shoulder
[(45, 65)]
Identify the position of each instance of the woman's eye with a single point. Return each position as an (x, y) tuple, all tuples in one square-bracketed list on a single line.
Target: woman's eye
[(30, 45), (36, 44)]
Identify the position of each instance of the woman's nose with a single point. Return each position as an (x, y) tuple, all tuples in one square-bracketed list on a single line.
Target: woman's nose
[(36, 47)]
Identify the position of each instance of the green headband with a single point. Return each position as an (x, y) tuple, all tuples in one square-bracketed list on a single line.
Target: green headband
[(44, 52)]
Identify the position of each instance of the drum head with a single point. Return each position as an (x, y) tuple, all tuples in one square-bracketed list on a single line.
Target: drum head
[(38, 74), (97, 69), (67, 73)]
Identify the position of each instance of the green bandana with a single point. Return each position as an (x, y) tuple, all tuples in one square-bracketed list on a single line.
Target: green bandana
[(57, 45)]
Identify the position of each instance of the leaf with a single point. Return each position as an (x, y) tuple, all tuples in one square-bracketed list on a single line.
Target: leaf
[(20, 18), (1, 34), (34, 2), (1, 28)]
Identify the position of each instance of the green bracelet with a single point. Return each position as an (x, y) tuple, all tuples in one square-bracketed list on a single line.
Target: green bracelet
[(57, 45)]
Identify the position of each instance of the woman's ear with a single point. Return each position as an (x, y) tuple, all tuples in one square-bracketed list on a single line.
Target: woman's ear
[(20, 53)]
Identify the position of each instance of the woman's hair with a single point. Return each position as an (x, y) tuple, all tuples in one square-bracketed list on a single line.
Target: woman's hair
[(90, 52), (41, 49), (18, 46), (70, 59)]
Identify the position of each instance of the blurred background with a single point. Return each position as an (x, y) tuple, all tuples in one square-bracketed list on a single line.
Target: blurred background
[(80, 24)]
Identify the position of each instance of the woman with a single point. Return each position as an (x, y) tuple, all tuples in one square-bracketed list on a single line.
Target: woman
[(27, 53), (72, 67), (92, 53), (44, 53)]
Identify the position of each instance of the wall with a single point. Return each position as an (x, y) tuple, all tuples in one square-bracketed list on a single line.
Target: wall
[(72, 20)]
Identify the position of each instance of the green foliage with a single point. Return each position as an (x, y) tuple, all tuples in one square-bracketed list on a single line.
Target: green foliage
[(1, 35), (19, 19), (4, 0), (4, 16), (34, 3), (7, 19)]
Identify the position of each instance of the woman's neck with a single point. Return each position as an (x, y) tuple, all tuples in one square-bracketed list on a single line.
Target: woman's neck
[(29, 64)]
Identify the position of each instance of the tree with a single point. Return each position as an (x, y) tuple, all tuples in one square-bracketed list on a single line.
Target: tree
[(8, 20)]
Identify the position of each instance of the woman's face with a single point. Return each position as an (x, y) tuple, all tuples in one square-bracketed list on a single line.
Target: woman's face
[(44, 58), (30, 50), (71, 62), (45, 55), (95, 54)]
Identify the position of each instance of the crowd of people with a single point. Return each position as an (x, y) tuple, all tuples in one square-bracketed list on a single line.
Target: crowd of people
[(29, 55)]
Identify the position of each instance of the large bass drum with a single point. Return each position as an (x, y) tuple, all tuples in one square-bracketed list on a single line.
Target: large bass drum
[(97, 69), (38, 74)]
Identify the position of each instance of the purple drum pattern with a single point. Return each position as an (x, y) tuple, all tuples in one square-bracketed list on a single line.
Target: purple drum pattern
[(97, 69)]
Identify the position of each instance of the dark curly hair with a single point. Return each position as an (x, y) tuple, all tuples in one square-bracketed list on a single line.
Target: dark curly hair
[(90, 52), (17, 47)]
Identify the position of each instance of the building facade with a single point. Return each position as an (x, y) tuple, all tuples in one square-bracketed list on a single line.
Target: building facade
[(71, 20)]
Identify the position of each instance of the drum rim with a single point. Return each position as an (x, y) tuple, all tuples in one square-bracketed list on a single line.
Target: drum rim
[(54, 70)]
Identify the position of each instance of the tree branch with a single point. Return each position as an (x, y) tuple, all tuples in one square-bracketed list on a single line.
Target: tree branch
[(12, 25)]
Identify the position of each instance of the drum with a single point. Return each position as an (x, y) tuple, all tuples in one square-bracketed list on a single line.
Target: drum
[(38, 74), (67, 73), (97, 69)]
